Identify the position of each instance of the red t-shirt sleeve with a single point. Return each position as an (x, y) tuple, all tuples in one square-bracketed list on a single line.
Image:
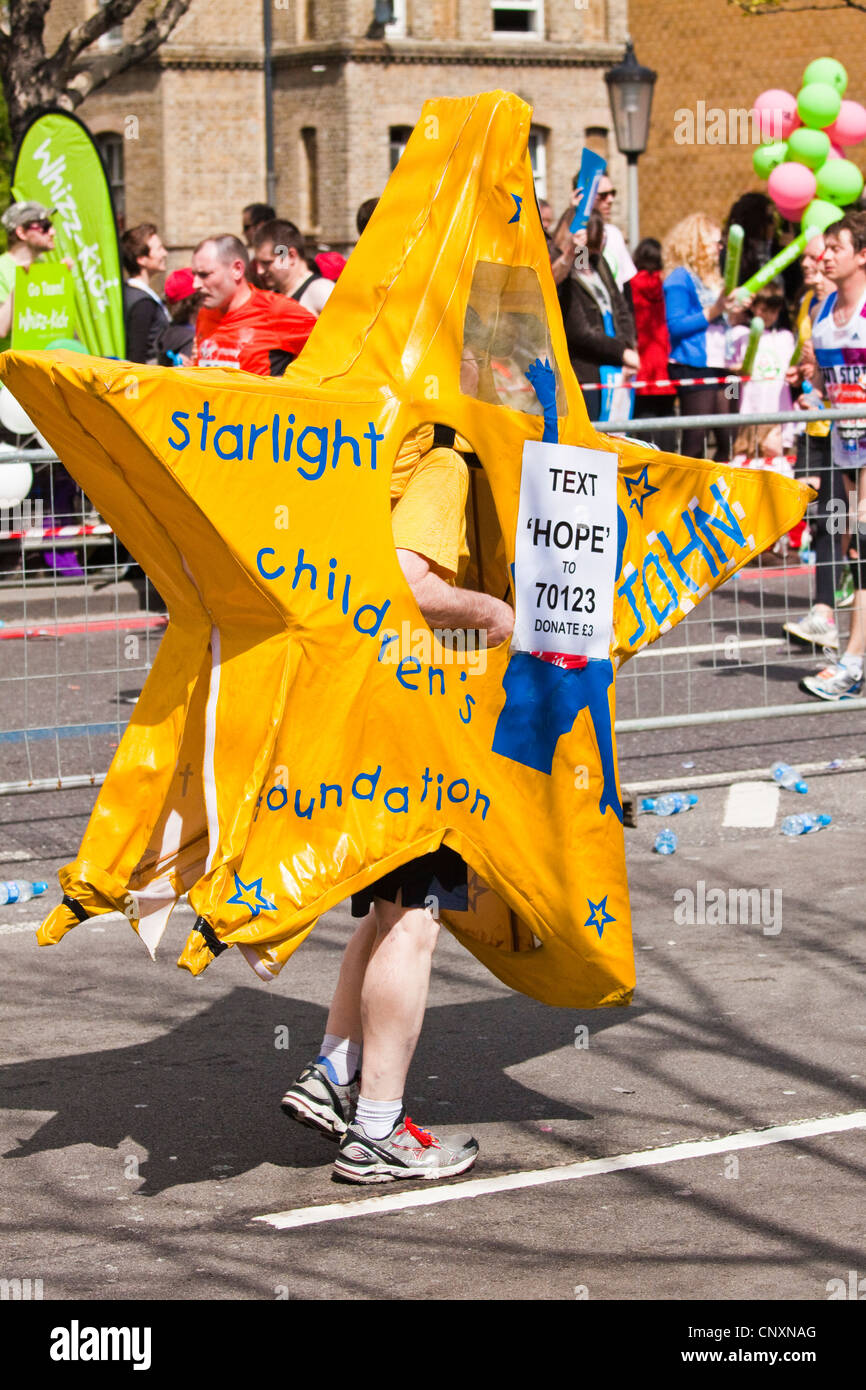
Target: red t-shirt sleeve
[(298, 324), (263, 336)]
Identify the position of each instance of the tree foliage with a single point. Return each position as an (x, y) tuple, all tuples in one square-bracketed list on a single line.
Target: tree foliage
[(33, 78), (5, 164)]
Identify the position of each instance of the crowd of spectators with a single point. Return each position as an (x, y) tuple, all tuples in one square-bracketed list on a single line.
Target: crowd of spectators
[(648, 334), (248, 304), (665, 324)]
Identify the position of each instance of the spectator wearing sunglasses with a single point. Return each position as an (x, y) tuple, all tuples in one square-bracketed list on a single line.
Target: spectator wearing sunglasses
[(29, 231), (616, 253)]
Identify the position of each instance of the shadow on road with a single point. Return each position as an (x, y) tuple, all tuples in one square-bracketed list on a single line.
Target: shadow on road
[(203, 1099)]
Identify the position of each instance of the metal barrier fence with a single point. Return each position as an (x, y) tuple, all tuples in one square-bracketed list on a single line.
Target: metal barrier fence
[(736, 638), (80, 624)]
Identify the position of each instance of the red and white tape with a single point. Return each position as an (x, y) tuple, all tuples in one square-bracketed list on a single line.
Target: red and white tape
[(667, 381), (62, 533)]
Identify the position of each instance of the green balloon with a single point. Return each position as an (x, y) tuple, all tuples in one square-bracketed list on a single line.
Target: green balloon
[(818, 105), (768, 157), (809, 147), (819, 215), (839, 182), (829, 71), (65, 345)]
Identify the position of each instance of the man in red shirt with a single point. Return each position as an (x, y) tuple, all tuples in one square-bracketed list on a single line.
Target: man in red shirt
[(240, 326)]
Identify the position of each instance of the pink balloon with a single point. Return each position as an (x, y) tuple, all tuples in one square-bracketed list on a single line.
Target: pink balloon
[(791, 185), (776, 112), (849, 127), (792, 212), (836, 152)]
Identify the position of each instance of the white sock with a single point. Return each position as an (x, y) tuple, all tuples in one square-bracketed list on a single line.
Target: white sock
[(854, 664), (378, 1116), (340, 1058)]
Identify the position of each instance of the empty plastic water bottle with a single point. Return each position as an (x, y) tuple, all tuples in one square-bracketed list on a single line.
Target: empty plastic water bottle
[(804, 824), (786, 777), (666, 842), (670, 804), (18, 890)]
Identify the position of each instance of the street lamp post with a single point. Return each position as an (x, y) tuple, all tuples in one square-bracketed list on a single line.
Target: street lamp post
[(630, 90), (270, 164)]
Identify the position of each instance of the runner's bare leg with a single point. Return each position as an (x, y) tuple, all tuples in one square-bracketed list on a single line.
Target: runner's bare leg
[(344, 1017), (394, 996)]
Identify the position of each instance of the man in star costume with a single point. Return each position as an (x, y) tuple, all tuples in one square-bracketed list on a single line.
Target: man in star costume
[(291, 747), (384, 978)]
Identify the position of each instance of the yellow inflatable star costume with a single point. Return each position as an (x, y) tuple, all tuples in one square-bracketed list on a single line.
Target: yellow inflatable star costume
[(302, 731)]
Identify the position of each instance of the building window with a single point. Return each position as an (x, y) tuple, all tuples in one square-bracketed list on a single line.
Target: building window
[(596, 138), (398, 139), (112, 38), (110, 147), (309, 146), (520, 17), (538, 159), (397, 28)]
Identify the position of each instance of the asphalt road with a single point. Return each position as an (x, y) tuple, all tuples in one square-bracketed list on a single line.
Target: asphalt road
[(142, 1134)]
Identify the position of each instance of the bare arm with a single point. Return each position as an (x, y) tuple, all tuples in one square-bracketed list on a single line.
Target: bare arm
[(569, 250), (6, 315), (561, 267), (443, 605)]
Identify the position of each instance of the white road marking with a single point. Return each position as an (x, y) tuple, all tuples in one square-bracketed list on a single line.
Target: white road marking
[(432, 1193), (10, 927), (20, 855), (752, 804), (733, 646)]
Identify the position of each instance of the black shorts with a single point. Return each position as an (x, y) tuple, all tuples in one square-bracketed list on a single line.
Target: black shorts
[(440, 875)]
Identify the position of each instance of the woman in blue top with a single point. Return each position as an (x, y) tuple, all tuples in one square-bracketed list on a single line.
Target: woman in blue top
[(695, 305)]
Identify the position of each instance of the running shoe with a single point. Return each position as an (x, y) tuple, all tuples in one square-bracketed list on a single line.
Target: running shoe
[(407, 1152), (320, 1103), (845, 591), (834, 683), (815, 629)]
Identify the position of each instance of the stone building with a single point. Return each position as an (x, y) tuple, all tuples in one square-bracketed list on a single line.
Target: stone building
[(712, 61), (184, 133)]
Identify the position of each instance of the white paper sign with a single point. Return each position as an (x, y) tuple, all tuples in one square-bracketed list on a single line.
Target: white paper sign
[(565, 551)]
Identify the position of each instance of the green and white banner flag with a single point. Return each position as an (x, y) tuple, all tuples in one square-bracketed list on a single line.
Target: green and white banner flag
[(44, 306), (58, 165)]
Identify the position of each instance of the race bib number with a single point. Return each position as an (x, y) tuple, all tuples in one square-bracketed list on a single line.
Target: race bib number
[(565, 553), (850, 434)]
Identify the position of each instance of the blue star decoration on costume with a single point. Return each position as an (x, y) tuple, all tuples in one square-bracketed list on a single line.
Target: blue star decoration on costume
[(259, 903), (477, 889), (595, 909), (639, 489), (519, 201)]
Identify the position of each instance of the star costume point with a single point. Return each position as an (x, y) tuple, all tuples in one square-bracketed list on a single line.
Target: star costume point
[(261, 511)]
